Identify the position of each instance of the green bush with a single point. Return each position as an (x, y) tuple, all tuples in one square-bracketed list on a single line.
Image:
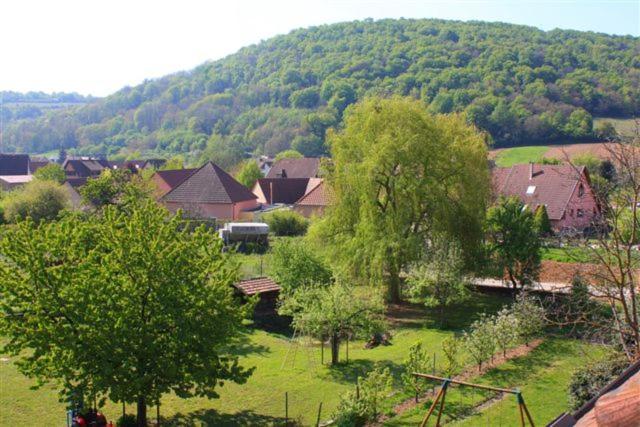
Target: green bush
[(40, 200), (588, 380), (286, 223), (127, 420)]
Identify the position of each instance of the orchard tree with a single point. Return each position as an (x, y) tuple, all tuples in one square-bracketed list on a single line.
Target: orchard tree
[(51, 172), (249, 173), (505, 329), (294, 265), (127, 306), (514, 242), (418, 361), (334, 312), (439, 281), (529, 317), (479, 341), (451, 347), (399, 177)]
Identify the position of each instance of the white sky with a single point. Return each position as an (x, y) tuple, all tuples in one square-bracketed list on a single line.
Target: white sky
[(97, 47)]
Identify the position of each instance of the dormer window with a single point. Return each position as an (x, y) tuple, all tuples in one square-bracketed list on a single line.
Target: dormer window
[(531, 189)]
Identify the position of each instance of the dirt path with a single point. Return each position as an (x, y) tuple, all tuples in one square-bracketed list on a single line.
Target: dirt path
[(468, 373)]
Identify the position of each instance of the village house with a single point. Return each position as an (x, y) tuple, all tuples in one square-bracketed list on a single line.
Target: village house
[(84, 168), (565, 191), (211, 193), (306, 167), (315, 201), (287, 191), (14, 164), (167, 180)]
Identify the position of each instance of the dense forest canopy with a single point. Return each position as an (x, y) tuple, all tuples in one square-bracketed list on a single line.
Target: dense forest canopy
[(19, 106), (519, 83)]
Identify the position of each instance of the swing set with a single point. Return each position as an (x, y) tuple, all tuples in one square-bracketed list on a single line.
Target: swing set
[(524, 411)]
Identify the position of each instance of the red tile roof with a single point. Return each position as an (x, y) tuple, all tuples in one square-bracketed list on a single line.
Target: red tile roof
[(285, 190), (320, 195), (306, 167), (258, 285), (549, 185), (175, 177), (209, 184)]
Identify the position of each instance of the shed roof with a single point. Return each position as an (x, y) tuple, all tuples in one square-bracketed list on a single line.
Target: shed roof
[(258, 285)]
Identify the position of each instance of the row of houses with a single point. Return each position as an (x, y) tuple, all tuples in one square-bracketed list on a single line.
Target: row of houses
[(211, 192)]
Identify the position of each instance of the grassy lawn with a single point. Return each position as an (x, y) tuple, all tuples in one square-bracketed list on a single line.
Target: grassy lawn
[(516, 155), (567, 254), (625, 127), (261, 400), (543, 376)]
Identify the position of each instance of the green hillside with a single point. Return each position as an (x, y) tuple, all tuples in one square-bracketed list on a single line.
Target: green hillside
[(516, 82)]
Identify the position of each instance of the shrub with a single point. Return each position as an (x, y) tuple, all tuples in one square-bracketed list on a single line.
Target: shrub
[(505, 329), (480, 341), (451, 350), (358, 408), (587, 381), (127, 420), (286, 223), (39, 200), (418, 361), (529, 316), (51, 172)]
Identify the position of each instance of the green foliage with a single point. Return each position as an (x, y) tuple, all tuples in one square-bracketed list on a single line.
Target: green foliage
[(400, 177), (451, 347), (249, 173), (588, 380), (591, 162), (295, 265), (51, 172), (513, 241), (480, 341), (541, 221), (418, 361), (529, 316), (127, 420), (505, 329), (551, 161), (288, 154), (115, 187), (439, 281), (357, 408), (517, 83), (605, 130), (174, 162), (286, 223), (39, 200), (334, 312), (106, 305)]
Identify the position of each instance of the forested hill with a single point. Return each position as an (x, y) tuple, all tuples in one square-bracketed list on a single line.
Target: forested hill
[(18, 106), (519, 83)]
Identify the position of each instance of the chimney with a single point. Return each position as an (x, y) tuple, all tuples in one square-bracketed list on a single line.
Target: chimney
[(530, 171)]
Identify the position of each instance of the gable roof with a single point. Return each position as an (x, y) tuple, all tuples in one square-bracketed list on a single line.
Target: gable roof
[(14, 164), (535, 185), (319, 195), (174, 177), (283, 190), (306, 167), (209, 184), (258, 285)]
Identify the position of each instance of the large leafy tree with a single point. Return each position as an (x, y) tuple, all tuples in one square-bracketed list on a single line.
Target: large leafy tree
[(51, 172), (514, 241), (249, 173), (401, 176), (127, 305), (40, 200)]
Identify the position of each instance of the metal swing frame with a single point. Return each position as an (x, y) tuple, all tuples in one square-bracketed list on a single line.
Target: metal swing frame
[(440, 397)]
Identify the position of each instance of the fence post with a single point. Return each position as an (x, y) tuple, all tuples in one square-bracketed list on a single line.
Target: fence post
[(319, 412), (286, 408)]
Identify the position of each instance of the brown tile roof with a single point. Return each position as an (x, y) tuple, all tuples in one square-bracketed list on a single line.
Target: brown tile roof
[(14, 164), (307, 167), (320, 195), (551, 185), (285, 190), (175, 177), (258, 285), (85, 168), (209, 184)]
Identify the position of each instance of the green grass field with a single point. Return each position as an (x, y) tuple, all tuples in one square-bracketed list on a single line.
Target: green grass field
[(516, 155), (543, 376), (624, 127), (261, 400)]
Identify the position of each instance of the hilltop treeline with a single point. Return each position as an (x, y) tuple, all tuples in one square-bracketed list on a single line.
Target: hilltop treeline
[(30, 105), (518, 83)]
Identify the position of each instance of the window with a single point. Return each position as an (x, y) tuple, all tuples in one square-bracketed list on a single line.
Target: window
[(579, 213), (571, 212), (581, 191), (531, 189)]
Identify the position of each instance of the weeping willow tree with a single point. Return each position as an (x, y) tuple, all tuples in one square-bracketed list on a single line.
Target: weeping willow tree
[(400, 177)]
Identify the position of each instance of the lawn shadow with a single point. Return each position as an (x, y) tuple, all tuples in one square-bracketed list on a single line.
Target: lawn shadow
[(211, 417), (243, 345), (348, 372)]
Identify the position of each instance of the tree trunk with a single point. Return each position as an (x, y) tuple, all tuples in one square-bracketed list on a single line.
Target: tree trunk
[(142, 411), (393, 292), (335, 349)]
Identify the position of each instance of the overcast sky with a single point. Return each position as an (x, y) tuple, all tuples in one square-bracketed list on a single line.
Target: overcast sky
[(96, 46)]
